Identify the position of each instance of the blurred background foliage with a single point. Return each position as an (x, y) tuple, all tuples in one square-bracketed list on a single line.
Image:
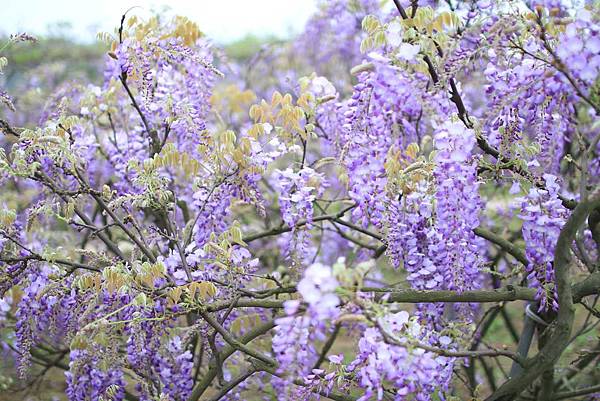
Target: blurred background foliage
[(37, 72), (68, 59)]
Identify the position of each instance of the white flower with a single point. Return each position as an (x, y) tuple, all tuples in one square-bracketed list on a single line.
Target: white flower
[(318, 285), (96, 90), (393, 33), (445, 340), (321, 87), (401, 317), (408, 52)]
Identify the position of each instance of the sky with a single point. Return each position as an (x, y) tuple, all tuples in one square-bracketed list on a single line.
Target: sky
[(222, 20)]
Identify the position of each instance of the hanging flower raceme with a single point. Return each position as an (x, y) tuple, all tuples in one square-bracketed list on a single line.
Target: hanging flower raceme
[(430, 227), (578, 48), (393, 357), (383, 112), (298, 191), (456, 249), (543, 217), (528, 99), (305, 323), (92, 379), (412, 244)]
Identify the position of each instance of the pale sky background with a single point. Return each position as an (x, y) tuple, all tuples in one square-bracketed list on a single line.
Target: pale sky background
[(222, 20)]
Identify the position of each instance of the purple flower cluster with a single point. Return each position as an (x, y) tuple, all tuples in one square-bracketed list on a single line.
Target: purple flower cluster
[(163, 364), (526, 98), (411, 231), (141, 201), (412, 236), (317, 288), (458, 205), (297, 192), (45, 313), (91, 379), (296, 333), (411, 370), (382, 112), (337, 29), (430, 229), (543, 216), (579, 48)]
